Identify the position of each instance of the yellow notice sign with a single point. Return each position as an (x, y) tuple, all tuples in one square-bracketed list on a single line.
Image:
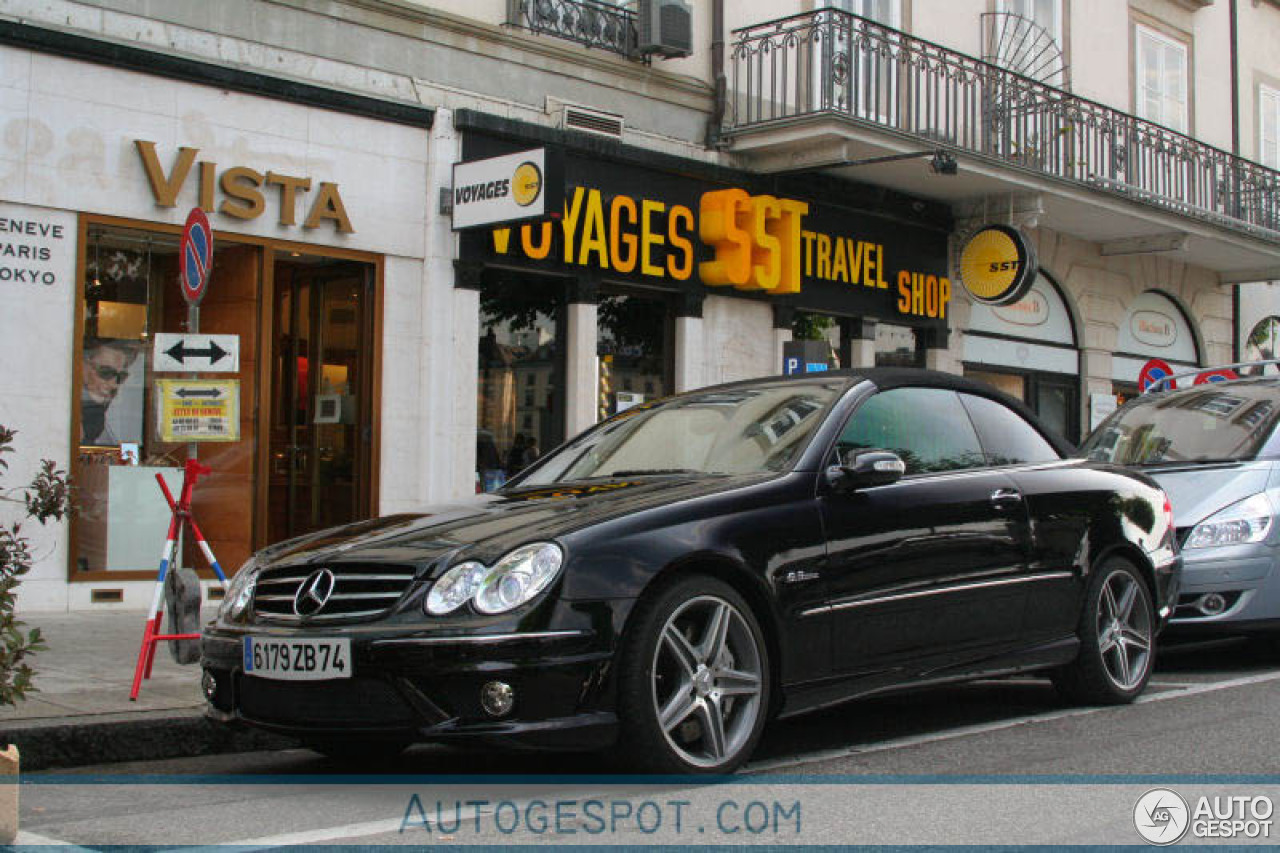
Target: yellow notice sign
[(198, 409)]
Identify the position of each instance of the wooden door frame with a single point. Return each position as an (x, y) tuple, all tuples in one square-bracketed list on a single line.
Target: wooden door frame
[(266, 295)]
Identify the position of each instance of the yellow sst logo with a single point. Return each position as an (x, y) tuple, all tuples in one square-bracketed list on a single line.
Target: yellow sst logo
[(997, 265), (526, 183)]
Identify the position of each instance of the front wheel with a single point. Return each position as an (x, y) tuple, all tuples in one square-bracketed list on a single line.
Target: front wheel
[(1117, 639), (694, 681)]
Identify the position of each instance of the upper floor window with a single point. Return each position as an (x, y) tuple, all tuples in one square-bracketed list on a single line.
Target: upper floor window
[(1046, 14), (1161, 65), (887, 12), (1269, 126)]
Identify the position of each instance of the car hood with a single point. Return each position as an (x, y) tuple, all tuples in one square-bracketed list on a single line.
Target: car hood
[(1198, 491), (487, 526)]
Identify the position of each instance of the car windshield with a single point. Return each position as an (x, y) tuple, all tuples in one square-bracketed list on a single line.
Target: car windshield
[(726, 431), (1210, 423)]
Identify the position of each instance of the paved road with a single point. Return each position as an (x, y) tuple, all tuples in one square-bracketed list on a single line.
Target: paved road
[(1211, 710)]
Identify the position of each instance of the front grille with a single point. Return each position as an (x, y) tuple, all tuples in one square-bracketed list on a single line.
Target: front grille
[(359, 592), (362, 702)]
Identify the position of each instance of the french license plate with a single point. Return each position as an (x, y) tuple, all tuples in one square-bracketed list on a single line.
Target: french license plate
[(297, 660)]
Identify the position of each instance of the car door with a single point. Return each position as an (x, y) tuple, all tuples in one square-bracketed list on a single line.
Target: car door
[(924, 572), (1052, 588)]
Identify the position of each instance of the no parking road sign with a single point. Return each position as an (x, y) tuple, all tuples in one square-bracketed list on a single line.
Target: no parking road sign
[(196, 256), (1154, 371)]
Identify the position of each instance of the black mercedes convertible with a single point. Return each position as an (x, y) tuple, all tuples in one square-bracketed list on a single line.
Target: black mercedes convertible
[(668, 581)]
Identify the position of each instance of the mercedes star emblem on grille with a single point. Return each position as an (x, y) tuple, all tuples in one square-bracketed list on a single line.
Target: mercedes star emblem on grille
[(311, 597)]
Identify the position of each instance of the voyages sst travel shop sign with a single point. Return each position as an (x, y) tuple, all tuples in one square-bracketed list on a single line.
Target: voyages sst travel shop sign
[(638, 225)]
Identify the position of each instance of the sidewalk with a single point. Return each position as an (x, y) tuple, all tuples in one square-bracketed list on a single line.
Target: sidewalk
[(81, 713)]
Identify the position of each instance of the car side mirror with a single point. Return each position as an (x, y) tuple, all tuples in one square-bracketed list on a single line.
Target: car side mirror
[(864, 469)]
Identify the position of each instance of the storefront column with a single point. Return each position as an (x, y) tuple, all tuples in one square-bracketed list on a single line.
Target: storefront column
[(937, 354), (690, 368), (461, 444), (1096, 371), (783, 320), (582, 365), (861, 342)]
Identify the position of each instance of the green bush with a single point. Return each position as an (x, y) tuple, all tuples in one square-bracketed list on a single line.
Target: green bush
[(47, 496)]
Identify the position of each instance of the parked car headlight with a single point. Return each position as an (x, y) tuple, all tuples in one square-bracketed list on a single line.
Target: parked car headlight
[(240, 593), (1248, 520), (512, 581), (519, 576), (455, 588)]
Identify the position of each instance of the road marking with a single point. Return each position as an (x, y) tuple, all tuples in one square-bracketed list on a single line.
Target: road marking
[(31, 839), (984, 728), (393, 825), (334, 833)]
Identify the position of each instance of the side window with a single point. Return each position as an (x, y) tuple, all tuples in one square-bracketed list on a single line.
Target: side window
[(1008, 438), (927, 427)]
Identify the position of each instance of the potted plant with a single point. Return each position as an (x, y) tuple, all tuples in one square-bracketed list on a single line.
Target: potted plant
[(46, 497)]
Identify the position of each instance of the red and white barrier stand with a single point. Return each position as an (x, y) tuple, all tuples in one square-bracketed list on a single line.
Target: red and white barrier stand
[(182, 515)]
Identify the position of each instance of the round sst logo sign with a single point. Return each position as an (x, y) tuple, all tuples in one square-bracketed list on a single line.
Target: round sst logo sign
[(526, 184), (1161, 816), (997, 265), (1153, 371)]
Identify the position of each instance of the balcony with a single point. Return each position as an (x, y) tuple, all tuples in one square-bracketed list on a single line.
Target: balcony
[(820, 90), (596, 25)]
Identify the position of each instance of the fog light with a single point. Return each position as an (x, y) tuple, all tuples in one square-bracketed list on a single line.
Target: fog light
[(209, 685), (496, 698), (1211, 604)]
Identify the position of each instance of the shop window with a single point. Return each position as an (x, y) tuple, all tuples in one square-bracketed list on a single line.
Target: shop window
[(521, 320), (898, 346), (634, 345), (131, 293), (1264, 340), (807, 326), (315, 468)]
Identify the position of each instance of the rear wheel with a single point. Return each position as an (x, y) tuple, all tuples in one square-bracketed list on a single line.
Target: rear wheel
[(694, 682), (1117, 639)]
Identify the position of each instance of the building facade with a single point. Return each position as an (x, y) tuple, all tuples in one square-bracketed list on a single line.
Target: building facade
[(740, 176)]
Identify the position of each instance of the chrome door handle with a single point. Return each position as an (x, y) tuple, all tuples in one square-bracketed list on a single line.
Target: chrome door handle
[(1004, 498)]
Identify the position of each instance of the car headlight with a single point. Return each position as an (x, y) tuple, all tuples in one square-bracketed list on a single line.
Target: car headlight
[(1248, 520), (240, 593), (514, 580), (455, 588)]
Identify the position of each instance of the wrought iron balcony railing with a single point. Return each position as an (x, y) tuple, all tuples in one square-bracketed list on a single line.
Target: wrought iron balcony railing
[(589, 23), (835, 63)]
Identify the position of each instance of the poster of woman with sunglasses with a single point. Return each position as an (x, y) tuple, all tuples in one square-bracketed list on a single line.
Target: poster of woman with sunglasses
[(108, 376)]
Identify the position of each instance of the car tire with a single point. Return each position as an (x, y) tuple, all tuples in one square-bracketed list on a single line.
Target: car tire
[(358, 751), (1117, 639), (694, 680)]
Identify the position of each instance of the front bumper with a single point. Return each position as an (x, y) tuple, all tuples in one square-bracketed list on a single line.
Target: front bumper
[(1247, 577), (424, 686)]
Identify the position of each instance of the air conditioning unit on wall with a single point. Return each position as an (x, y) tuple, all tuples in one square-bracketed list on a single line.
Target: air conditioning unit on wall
[(666, 28)]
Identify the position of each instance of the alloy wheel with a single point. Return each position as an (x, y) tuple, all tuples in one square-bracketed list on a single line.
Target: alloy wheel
[(1124, 630), (707, 681)]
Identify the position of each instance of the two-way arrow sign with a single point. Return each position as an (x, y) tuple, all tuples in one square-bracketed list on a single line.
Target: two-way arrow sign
[(196, 353), (187, 393)]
